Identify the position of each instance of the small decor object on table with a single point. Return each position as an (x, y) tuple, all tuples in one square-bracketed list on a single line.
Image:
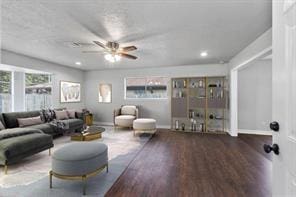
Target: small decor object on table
[(70, 92), (90, 133), (88, 119)]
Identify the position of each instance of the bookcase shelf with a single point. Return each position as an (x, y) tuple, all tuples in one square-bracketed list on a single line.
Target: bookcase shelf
[(199, 104)]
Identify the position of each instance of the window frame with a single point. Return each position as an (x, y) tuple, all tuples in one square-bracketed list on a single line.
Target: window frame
[(25, 86), (11, 84), (148, 99)]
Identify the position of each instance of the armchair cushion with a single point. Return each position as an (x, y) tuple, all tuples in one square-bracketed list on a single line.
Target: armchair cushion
[(128, 110), (124, 120)]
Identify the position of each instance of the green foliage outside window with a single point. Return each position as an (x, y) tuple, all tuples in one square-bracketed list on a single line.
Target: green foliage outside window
[(5, 79)]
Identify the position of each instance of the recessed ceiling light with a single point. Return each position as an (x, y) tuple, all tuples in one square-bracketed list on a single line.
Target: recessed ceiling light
[(78, 63), (204, 54)]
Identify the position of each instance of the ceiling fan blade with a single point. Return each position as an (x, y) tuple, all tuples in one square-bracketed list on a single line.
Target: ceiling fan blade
[(91, 51), (100, 44), (129, 48), (128, 56)]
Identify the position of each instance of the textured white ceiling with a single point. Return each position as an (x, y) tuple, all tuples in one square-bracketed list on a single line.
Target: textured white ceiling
[(167, 33)]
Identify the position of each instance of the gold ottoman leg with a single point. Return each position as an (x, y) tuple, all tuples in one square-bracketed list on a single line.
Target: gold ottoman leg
[(50, 179)]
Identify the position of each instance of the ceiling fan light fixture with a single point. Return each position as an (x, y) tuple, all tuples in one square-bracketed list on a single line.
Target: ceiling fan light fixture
[(204, 54), (117, 57), (112, 57)]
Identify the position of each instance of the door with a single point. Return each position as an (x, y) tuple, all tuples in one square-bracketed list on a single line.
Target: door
[(284, 97)]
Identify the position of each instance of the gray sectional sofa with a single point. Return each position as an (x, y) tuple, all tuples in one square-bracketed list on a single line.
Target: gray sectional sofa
[(17, 142)]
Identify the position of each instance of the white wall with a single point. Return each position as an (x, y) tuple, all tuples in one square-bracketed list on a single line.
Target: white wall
[(262, 44), (59, 73), (255, 96), (157, 109)]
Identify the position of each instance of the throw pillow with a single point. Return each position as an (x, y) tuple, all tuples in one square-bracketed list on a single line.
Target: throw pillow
[(128, 110), (61, 115), (1, 126), (23, 122), (71, 113)]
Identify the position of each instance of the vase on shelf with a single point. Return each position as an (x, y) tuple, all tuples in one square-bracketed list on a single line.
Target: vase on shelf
[(176, 124), (183, 126)]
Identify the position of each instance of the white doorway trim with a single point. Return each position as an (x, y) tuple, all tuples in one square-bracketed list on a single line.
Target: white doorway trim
[(234, 91)]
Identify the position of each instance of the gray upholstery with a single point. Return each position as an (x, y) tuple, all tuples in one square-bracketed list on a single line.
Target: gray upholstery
[(73, 122), (16, 148), (11, 117), (2, 120), (46, 128), (79, 158)]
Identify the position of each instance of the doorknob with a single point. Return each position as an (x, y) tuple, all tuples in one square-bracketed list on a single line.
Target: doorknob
[(274, 126), (275, 148)]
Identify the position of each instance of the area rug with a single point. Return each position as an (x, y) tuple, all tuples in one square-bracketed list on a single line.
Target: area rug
[(33, 171)]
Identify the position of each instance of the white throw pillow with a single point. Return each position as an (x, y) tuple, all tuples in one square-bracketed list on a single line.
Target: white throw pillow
[(23, 122), (61, 115), (128, 110), (71, 113)]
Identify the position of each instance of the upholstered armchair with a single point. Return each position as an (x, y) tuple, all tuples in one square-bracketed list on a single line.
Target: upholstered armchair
[(125, 115)]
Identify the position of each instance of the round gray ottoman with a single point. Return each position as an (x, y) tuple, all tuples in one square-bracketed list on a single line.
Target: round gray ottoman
[(79, 160)]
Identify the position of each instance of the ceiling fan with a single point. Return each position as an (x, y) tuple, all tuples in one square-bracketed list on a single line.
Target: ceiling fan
[(114, 52)]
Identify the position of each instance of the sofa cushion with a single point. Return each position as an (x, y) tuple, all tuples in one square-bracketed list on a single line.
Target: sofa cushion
[(10, 119), (61, 115), (1, 126), (15, 146), (2, 120), (23, 122), (71, 113), (73, 122), (128, 110), (124, 120), (46, 128)]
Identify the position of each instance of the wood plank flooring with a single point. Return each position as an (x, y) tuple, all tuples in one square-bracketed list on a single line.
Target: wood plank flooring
[(186, 164)]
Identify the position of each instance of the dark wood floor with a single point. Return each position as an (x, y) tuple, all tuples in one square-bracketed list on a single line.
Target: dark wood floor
[(186, 164)]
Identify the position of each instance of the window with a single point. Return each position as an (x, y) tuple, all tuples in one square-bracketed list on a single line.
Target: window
[(38, 91), (5, 91), (146, 87)]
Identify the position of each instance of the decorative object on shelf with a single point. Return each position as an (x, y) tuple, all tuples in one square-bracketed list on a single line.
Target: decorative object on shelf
[(105, 93), (211, 116), (191, 114), (177, 124), (219, 84), (183, 126), (194, 125), (185, 83), (70, 92), (175, 84), (217, 117), (180, 94), (201, 127), (211, 93), (200, 84), (88, 119), (212, 85)]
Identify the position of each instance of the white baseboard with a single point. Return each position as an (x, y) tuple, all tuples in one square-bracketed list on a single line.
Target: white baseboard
[(254, 132), (104, 123), (111, 124)]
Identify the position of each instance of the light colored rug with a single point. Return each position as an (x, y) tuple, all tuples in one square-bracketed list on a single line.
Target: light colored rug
[(34, 168)]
